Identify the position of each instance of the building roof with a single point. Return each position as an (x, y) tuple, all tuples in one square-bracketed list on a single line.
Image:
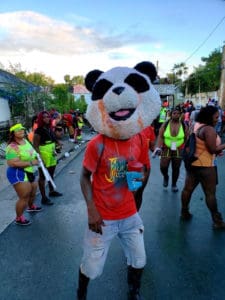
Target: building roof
[(165, 89), (80, 89), (12, 87)]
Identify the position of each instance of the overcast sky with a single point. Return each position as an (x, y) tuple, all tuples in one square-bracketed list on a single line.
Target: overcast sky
[(73, 37)]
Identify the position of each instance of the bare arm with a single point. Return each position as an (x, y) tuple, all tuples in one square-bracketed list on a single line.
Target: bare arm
[(208, 134), (160, 139), (36, 142), (151, 145), (17, 163), (146, 175), (95, 221)]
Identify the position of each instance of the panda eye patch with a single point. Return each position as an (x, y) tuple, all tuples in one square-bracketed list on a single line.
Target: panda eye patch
[(138, 83), (100, 88)]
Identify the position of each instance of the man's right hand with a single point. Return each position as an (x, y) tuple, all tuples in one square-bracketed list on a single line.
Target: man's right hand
[(95, 221)]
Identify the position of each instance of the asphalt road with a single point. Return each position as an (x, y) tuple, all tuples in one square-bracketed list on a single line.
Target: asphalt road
[(185, 260)]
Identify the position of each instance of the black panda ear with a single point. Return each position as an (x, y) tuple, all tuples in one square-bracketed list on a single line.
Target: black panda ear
[(148, 69), (91, 78)]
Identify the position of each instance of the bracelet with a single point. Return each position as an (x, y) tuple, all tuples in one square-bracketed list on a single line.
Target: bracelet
[(31, 163)]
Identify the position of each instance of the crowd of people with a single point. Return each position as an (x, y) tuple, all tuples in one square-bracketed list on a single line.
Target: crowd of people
[(166, 139), (207, 123)]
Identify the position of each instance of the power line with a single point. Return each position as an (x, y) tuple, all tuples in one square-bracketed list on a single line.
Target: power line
[(210, 34)]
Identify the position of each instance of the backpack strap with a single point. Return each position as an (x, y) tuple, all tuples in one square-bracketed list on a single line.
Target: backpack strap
[(103, 146), (102, 150), (198, 130)]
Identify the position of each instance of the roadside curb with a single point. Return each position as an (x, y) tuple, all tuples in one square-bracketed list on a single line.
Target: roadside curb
[(64, 161)]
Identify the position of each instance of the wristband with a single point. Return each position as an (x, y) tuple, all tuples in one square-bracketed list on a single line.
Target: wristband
[(31, 163)]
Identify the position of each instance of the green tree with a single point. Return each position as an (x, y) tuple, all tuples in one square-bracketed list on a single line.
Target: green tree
[(180, 70), (79, 79), (81, 104), (62, 100), (206, 78), (212, 70), (172, 78), (70, 82), (37, 78)]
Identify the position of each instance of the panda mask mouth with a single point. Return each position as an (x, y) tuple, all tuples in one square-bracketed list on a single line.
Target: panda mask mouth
[(122, 114)]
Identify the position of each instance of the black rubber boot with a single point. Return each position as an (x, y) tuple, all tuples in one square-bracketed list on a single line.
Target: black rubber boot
[(185, 214), (218, 222), (134, 283), (82, 287)]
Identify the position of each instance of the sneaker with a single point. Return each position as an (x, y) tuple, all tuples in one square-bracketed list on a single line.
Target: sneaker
[(22, 221), (34, 208), (55, 194), (166, 181), (46, 201), (174, 188)]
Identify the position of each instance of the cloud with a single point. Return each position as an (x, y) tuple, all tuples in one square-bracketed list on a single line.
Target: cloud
[(29, 31), (56, 48)]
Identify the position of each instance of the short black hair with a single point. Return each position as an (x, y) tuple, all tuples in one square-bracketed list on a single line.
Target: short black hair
[(205, 114)]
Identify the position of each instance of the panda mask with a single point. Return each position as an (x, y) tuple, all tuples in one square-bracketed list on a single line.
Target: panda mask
[(124, 100)]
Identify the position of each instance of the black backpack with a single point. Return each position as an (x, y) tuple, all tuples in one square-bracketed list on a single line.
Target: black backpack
[(188, 152)]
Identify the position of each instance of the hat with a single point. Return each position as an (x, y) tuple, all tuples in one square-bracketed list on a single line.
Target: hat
[(17, 127)]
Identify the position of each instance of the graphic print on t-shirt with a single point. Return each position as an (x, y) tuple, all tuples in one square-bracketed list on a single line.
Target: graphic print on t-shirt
[(117, 170)]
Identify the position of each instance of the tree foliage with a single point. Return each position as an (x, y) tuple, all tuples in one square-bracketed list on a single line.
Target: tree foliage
[(180, 70), (60, 97), (70, 82), (81, 104), (206, 78), (36, 78)]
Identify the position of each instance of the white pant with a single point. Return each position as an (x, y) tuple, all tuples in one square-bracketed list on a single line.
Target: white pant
[(130, 231)]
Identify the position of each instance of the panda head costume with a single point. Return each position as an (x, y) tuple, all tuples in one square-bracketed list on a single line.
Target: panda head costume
[(124, 100)]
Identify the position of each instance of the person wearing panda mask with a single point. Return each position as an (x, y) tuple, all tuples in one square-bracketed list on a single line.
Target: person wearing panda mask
[(124, 102)]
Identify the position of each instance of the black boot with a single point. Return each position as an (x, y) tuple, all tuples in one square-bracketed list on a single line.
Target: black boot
[(134, 283), (185, 214), (218, 222), (82, 288)]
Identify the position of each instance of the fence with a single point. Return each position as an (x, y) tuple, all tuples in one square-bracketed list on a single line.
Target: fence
[(202, 98)]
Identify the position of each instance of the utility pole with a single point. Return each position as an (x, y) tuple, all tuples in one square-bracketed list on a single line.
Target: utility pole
[(222, 81)]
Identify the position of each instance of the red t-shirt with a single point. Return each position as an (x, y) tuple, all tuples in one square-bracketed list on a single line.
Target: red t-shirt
[(107, 159), (68, 118), (148, 134)]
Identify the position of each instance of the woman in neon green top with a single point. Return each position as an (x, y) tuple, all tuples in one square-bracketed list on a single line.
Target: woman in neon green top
[(172, 136), (21, 159)]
